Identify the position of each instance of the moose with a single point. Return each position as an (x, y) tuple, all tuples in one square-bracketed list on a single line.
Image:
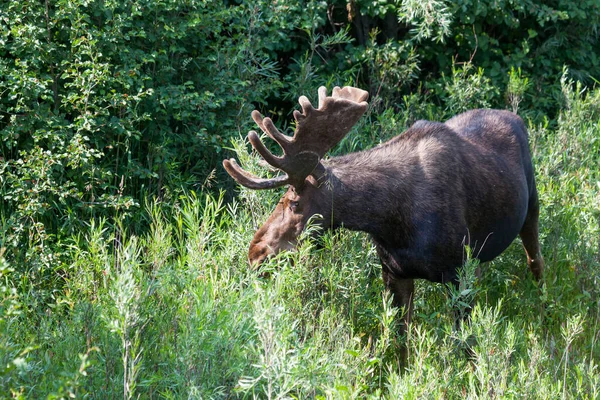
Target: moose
[(422, 196)]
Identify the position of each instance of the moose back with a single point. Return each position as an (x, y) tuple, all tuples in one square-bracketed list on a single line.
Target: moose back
[(422, 196)]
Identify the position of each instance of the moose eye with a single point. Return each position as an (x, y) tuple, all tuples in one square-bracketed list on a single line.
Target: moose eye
[(293, 205)]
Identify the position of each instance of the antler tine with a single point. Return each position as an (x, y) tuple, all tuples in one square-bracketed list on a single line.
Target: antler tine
[(322, 95), (307, 109), (263, 151), (267, 126), (245, 178), (350, 93)]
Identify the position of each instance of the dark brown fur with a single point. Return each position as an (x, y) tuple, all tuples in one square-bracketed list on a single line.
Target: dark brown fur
[(422, 196)]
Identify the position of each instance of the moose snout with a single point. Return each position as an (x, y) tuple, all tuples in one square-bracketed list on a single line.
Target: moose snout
[(261, 249), (257, 254)]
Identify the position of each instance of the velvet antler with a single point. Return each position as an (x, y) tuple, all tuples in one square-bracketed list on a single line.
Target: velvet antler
[(317, 131)]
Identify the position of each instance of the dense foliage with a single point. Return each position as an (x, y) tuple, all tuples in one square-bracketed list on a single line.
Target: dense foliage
[(117, 279), (176, 312)]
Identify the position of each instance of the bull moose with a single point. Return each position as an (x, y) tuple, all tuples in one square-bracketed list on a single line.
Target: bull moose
[(421, 196)]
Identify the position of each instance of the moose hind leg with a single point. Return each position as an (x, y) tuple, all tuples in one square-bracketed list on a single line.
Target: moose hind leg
[(530, 237)]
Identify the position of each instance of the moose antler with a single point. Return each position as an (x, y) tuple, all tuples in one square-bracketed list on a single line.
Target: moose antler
[(317, 131)]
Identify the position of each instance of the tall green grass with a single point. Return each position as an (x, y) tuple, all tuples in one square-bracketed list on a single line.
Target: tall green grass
[(178, 313)]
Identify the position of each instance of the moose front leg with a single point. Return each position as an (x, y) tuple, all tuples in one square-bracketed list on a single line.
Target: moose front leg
[(402, 291)]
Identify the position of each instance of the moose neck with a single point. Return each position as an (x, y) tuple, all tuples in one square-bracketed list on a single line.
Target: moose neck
[(369, 196)]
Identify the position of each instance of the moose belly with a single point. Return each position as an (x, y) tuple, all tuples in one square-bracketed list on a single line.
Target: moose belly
[(489, 243), (436, 255), (411, 263)]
